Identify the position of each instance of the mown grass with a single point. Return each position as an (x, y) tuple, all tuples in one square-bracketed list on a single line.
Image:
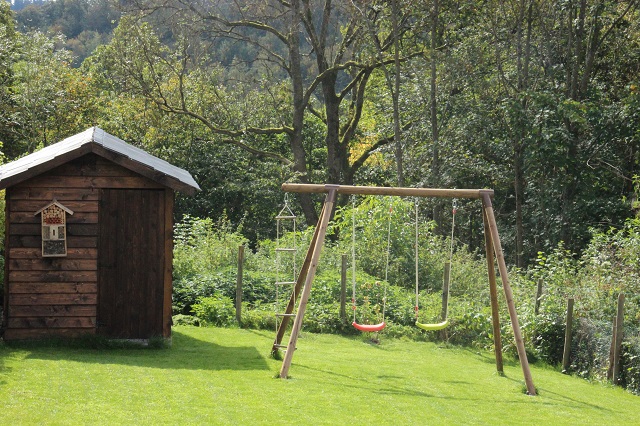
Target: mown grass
[(224, 376)]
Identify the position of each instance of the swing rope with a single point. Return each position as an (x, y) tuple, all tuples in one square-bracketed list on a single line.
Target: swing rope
[(445, 322), (363, 327)]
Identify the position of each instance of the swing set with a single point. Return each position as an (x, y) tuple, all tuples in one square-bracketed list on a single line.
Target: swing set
[(379, 327), (493, 249)]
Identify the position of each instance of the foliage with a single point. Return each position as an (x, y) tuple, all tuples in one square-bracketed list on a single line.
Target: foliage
[(215, 310), (630, 365), (84, 23)]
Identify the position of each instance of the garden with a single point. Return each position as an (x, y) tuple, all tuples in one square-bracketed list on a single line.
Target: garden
[(205, 278)]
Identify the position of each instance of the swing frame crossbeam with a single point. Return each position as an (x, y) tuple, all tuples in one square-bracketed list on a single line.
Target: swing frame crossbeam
[(493, 248)]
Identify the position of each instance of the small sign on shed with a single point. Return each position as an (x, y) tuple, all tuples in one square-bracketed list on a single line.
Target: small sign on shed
[(54, 232)]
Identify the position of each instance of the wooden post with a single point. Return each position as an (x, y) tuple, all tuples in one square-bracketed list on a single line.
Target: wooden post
[(493, 293), (618, 339), (566, 355), (343, 289), (502, 267), (538, 297), (612, 350), (239, 285), (323, 222)]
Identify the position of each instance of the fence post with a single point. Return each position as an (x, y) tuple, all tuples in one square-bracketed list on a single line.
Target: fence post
[(566, 355), (538, 296), (239, 285), (617, 350), (612, 350), (343, 289)]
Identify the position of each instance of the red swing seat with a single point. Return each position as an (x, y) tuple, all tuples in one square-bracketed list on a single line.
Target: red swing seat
[(369, 327)]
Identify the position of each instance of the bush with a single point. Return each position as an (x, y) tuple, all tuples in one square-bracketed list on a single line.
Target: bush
[(630, 365), (258, 316), (216, 310), (185, 320)]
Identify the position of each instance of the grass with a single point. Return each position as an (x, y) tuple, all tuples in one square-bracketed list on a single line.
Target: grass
[(224, 376)]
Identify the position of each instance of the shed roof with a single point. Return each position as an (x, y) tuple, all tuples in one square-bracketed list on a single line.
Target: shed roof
[(97, 141)]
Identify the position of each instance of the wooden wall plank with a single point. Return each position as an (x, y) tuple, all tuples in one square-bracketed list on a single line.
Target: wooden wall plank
[(91, 165), (53, 288), (61, 194), (117, 182), (53, 276), (51, 299), (73, 229), (53, 264), (36, 253), (53, 310), (52, 322), (33, 206), (32, 241), (39, 333), (28, 217)]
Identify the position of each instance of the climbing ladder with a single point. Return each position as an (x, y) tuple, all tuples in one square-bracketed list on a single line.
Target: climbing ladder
[(304, 280), (285, 265)]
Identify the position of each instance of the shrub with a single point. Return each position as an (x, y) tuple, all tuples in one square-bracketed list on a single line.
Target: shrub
[(185, 320), (215, 310), (258, 316), (630, 365)]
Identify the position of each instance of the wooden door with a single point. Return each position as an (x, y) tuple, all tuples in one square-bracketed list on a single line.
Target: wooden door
[(130, 263)]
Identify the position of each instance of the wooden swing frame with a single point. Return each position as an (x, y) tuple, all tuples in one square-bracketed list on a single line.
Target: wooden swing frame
[(493, 249)]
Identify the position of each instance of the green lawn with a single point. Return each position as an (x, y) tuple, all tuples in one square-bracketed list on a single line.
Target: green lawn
[(224, 376)]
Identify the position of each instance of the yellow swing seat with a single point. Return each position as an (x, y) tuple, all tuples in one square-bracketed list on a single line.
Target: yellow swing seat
[(433, 327)]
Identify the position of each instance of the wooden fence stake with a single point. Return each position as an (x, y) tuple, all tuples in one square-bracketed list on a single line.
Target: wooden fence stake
[(239, 285), (612, 350), (538, 296), (617, 351), (566, 355)]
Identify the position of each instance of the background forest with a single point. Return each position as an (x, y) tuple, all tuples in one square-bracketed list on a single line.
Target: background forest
[(537, 99)]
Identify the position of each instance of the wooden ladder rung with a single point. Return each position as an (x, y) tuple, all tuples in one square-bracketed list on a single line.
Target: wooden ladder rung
[(291, 250), (285, 315), (286, 217), (285, 282)]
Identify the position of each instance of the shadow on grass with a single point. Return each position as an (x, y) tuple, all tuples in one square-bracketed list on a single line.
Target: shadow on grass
[(185, 352), (374, 384), (3, 368), (561, 399)]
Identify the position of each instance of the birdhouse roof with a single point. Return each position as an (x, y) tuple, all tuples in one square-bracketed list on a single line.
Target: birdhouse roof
[(57, 204)]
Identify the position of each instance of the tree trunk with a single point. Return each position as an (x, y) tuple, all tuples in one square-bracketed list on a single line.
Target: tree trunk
[(295, 139), (433, 113), (397, 135)]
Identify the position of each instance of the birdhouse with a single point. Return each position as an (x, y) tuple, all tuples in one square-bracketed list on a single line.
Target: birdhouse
[(54, 224)]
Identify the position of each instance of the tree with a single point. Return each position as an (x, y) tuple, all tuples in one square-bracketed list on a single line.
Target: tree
[(8, 37), (317, 51), (51, 99)]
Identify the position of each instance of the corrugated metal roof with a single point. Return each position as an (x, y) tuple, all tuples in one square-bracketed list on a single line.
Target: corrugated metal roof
[(97, 136)]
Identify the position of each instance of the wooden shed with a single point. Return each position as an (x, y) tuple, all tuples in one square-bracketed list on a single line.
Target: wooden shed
[(89, 232)]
